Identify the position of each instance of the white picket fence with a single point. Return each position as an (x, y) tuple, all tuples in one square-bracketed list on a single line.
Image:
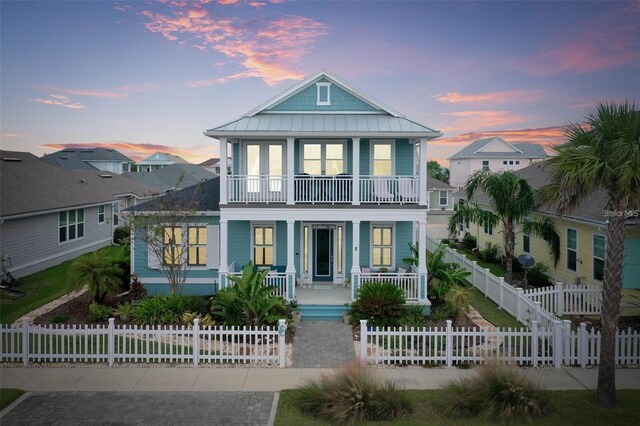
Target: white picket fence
[(533, 346), (136, 344)]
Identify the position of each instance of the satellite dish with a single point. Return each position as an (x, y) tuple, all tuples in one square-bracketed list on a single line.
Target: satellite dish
[(526, 261)]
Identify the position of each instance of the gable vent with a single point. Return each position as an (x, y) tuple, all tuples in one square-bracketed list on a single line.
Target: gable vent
[(106, 176), (15, 159)]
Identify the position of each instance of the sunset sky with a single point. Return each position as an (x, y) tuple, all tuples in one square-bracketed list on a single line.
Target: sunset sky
[(152, 76)]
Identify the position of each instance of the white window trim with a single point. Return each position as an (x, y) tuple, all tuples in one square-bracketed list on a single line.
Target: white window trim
[(372, 145), (206, 244), (264, 155), (566, 264), (104, 214), (446, 197), (488, 165), (252, 245), (185, 234), (593, 254), (488, 229), (391, 225), (318, 86), (84, 228), (323, 152)]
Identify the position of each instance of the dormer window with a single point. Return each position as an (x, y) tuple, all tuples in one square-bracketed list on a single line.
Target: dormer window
[(324, 93)]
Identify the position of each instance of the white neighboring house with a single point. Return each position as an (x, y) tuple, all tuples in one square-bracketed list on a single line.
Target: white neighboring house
[(159, 160), (49, 214), (440, 207), (105, 159), (492, 154)]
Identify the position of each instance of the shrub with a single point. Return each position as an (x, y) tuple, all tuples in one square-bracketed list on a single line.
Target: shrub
[(459, 297), (445, 241), (99, 313), (496, 393), (99, 273), (58, 319), (121, 235), (125, 311), (492, 253), (352, 395), (443, 311), (204, 320), (469, 241), (412, 316), (380, 303), (136, 289), (168, 309), (536, 276)]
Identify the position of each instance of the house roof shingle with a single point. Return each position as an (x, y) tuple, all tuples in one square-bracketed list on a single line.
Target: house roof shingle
[(473, 150), (203, 196), (173, 176), (76, 158)]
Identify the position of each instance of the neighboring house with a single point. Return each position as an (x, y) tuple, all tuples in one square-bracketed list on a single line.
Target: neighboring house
[(173, 177), (159, 160), (492, 154), (582, 236), (441, 203), (328, 185), (213, 165), (49, 215), (106, 159)]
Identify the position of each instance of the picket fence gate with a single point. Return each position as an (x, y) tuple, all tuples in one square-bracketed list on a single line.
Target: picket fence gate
[(142, 344), (533, 346)]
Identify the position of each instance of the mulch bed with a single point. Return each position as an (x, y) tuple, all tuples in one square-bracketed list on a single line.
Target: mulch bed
[(593, 323)]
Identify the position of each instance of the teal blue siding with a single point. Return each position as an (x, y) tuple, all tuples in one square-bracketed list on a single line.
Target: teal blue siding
[(305, 100), (281, 243), (236, 158), (365, 244), (403, 237), (187, 289), (348, 248), (296, 157), (364, 156), (404, 157), (239, 249), (631, 269)]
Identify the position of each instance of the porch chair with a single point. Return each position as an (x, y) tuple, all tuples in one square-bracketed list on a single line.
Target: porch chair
[(407, 191), (381, 191)]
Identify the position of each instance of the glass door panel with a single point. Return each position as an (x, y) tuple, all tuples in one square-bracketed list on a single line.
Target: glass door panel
[(323, 246)]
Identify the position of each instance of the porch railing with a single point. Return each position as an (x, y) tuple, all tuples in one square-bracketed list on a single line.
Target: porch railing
[(407, 281), (273, 279), (312, 189)]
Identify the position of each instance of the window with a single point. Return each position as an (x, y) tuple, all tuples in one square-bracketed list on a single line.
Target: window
[(382, 246), (504, 162), (599, 254), (485, 165), (323, 158), (263, 247), (488, 229), (172, 245), (340, 249), (382, 163), (511, 162), (517, 162), (197, 255), (323, 94), (572, 247), (526, 242), (444, 198), (305, 251), (100, 214), (70, 225)]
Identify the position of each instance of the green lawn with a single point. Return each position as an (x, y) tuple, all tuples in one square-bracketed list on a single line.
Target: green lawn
[(489, 310), (7, 396), (495, 269), (567, 408), (42, 287)]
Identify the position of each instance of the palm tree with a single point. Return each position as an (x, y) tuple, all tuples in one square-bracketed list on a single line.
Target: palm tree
[(603, 155), (460, 296), (512, 201), (100, 273)]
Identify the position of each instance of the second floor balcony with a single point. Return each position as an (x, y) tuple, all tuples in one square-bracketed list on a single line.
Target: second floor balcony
[(311, 189)]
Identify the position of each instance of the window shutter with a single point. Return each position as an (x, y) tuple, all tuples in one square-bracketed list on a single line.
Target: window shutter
[(213, 246), (152, 260)]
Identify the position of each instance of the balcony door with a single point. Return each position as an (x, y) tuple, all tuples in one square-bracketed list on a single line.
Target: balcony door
[(323, 254), (264, 164)]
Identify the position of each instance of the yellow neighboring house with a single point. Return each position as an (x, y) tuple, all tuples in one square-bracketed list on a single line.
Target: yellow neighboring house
[(582, 236)]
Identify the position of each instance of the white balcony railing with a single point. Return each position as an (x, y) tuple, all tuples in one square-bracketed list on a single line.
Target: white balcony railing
[(273, 279), (311, 189)]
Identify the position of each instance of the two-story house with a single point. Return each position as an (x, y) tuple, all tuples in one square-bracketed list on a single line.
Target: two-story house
[(90, 158), (328, 187), (159, 160), (492, 154)]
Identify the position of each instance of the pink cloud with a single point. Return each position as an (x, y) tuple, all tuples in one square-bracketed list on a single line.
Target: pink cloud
[(609, 41), (121, 92), (59, 100), (519, 95), (264, 48), (548, 137), (468, 120)]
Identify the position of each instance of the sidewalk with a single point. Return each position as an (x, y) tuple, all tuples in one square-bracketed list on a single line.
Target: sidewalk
[(271, 380)]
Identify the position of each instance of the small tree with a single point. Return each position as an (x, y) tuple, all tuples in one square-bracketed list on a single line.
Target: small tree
[(437, 172), (459, 296), (100, 273)]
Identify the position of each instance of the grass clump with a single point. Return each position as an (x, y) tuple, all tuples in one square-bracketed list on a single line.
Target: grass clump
[(498, 393), (352, 395), (99, 313)]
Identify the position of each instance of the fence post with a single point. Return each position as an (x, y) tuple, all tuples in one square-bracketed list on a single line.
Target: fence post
[(486, 281), (282, 331), (502, 284), (557, 344), (520, 295), (196, 342), (363, 342), (536, 314), (566, 335), (582, 345), (25, 341), (559, 298), (111, 349), (534, 343), (473, 272), (449, 344)]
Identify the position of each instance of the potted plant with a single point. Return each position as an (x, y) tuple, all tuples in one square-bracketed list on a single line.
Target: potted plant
[(295, 313), (346, 316)]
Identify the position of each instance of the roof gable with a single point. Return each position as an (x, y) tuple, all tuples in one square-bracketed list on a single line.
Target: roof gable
[(497, 145), (302, 98)]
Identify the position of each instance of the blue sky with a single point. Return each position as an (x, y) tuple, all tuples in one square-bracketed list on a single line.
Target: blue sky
[(148, 76)]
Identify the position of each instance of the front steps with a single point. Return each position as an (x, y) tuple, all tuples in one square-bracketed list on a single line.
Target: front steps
[(322, 312)]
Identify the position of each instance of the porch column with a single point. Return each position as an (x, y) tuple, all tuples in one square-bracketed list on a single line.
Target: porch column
[(356, 172), (223, 171), (290, 176), (223, 268), (423, 173), (422, 260), (355, 260), (291, 267)]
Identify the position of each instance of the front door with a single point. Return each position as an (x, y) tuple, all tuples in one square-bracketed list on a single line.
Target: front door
[(323, 254)]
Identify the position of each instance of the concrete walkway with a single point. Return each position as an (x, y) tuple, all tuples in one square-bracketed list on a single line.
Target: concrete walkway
[(323, 344)]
